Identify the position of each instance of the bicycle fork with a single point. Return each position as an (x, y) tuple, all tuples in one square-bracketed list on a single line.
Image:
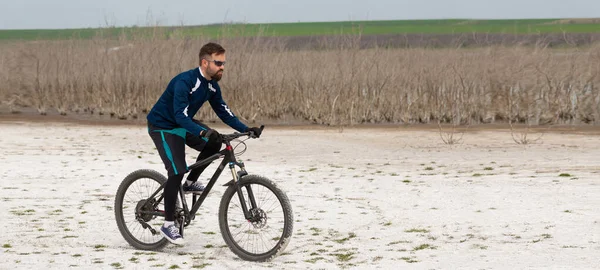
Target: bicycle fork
[(236, 178)]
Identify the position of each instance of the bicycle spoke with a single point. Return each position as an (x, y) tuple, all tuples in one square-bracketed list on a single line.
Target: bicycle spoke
[(263, 237), (139, 190)]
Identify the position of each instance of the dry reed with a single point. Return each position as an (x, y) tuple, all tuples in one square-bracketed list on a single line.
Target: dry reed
[(337, 85)]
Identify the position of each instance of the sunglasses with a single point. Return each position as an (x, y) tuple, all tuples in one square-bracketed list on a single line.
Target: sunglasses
[(217, 63)]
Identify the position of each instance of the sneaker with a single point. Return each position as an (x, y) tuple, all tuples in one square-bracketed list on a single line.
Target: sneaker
[(172, 234), (195, 187)]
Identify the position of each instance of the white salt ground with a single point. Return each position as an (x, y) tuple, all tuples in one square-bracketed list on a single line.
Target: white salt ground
[(362, 199)]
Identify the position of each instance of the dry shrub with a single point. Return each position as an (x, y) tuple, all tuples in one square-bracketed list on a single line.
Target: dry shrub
[(337, 85)]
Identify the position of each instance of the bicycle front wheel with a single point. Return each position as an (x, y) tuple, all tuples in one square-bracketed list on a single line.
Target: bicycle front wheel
[(269, 229)]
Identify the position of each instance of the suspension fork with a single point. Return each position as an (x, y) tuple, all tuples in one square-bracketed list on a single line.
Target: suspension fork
[(236, 178)]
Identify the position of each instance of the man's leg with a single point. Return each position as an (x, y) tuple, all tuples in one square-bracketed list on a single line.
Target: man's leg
[(207, 148), (170, 196), (171, 148)]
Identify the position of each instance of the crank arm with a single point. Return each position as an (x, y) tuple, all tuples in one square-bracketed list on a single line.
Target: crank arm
[(146, 226)]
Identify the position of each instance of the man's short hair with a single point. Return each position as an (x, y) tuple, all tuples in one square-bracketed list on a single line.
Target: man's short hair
[(210, 48)]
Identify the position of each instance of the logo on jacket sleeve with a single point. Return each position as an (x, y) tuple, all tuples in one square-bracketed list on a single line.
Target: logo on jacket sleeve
[(227, 109)]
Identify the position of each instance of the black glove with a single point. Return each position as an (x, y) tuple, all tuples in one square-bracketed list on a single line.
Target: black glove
[(254, 132)]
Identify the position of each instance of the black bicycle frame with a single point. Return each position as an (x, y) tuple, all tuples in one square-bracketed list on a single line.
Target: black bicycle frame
[(228, 158)]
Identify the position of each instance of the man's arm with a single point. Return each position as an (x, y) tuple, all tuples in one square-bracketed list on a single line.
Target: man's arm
[(181, 102), (223, 111)]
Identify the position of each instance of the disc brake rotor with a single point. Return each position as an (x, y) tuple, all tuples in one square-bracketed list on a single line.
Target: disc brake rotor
[(259, 218)]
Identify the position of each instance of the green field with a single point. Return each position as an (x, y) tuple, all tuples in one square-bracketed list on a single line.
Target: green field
[(530, 26)]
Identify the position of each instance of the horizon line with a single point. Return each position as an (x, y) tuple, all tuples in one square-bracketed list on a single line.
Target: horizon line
[(301, 22)]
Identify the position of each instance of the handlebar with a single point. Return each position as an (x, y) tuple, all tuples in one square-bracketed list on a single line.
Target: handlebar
[(235, 135)]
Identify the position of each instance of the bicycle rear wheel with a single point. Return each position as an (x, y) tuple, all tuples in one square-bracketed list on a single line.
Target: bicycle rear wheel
[(268, 231), (132, 197)]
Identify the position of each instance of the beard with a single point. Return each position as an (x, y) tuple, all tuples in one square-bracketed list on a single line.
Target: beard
[(217, 76)]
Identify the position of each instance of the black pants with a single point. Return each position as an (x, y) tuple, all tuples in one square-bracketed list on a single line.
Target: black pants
[(170, 144)]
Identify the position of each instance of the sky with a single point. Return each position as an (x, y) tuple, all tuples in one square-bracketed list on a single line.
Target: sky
[(57, 14)]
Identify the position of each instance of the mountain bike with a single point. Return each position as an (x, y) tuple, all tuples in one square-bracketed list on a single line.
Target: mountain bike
[(255, 215)]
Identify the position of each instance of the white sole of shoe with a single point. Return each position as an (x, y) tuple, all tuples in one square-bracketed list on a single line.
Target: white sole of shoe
[(193, 192), (178, 241)]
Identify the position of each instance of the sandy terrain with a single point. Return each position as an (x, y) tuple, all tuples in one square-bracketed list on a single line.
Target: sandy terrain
[(362, 198)]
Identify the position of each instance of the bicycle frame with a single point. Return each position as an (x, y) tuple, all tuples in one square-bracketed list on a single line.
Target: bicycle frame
[(228, 159)]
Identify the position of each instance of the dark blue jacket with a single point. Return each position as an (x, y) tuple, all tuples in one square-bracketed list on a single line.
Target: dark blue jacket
[(182, 99)]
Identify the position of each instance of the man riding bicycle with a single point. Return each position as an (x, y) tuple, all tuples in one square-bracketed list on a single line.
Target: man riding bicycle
[(171, 126)]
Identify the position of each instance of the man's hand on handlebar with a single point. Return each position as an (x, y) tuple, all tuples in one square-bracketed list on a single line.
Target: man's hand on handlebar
[(211, 134), (255, 131)]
